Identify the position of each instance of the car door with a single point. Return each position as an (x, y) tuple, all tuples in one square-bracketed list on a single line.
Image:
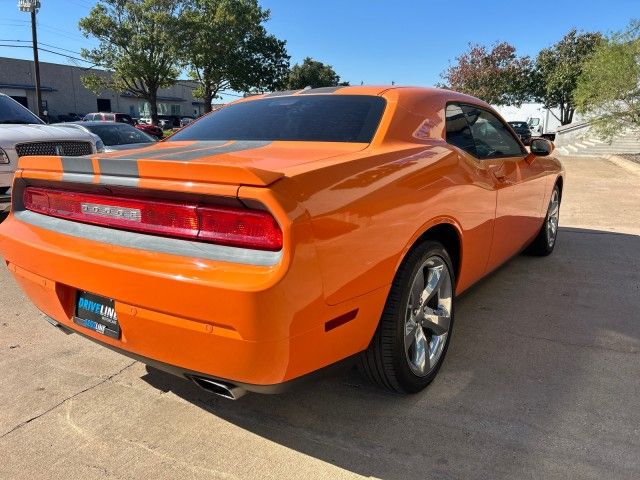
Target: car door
[(519, 183)]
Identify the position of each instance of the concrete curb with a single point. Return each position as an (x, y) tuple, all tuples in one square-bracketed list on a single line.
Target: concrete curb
[(628, 164)]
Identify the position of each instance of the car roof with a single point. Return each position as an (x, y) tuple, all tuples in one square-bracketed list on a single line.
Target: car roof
[(107, 113), (400, 92), (90, 123)]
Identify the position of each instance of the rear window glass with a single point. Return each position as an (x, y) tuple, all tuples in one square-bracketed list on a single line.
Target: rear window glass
[(314, 118)]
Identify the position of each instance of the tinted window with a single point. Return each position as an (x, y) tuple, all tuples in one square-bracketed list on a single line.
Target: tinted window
[(490, 135), (458, 131), (114, 134), (12, 112), (124, 118), (320, 118)]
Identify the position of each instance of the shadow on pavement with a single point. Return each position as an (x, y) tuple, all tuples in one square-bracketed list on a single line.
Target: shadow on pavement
[(541, 380)]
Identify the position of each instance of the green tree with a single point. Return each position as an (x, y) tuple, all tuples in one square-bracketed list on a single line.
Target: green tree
[(314, 74), (227, 47), (609, 87), (497, 76), (558, 69), (137, 44)]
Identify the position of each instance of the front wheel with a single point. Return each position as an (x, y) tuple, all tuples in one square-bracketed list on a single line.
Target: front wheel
[(411, 341), (544, 243)]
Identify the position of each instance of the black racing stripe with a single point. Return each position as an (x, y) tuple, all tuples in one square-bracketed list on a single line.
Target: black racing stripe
[(282, 93), (195, 154), (151, 152), (119, 167), (77, 165), (320, 90)]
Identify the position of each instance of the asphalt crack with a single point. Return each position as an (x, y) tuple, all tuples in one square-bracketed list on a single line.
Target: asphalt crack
[(71, 397)]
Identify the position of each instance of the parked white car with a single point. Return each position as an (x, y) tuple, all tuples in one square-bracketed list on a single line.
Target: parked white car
[(22, 134)]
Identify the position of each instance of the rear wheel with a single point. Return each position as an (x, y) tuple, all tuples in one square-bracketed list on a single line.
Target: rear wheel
[(544, 243), (411, 341)]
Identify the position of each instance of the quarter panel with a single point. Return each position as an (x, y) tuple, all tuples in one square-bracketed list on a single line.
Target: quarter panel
[(366, 213)]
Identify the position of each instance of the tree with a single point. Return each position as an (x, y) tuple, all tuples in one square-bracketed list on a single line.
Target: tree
[(609, 87), (137, 43), (558, 69), (227, 47), (497, 76), (314, 74)]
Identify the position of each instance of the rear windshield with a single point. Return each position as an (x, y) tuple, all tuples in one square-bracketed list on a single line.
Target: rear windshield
[(307, 118)]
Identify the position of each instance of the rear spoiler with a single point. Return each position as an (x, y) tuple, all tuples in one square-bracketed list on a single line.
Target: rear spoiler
[(128, 172)]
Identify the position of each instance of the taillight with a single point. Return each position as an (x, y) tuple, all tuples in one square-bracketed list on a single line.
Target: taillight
[(236, 227), (247, 228)]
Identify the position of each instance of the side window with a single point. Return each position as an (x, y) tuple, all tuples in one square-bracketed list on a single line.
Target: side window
[(458, 131), (491, 137)]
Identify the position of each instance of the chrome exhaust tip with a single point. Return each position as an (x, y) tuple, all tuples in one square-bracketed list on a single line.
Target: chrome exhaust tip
[(217, 387)]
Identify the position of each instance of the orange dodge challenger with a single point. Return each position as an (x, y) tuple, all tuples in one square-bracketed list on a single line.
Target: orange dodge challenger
[(284, 233)]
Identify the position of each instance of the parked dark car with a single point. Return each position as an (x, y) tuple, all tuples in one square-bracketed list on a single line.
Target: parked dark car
[(522, 130), (70, 117), (114, 135)]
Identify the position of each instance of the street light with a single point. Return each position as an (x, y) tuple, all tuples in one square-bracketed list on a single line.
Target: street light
[(32, 6)]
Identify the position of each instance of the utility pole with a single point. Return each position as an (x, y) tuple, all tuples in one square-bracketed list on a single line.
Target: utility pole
[(32, 6)]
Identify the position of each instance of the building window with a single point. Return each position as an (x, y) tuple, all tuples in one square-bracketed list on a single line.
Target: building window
[(145, 111), (175, 109)]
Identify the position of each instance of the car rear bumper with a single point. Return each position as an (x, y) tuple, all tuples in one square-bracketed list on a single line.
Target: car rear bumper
[(256, 325)]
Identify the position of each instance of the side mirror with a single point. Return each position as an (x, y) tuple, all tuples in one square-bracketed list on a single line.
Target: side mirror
[(541, 147)]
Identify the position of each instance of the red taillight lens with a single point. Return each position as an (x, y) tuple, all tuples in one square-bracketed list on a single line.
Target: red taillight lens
[(250, 229), (228, 226)]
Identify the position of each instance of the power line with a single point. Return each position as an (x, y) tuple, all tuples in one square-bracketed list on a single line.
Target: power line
[(41, 43), (48, 51)]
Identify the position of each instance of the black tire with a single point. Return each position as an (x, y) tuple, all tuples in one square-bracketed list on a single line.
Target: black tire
[(545, 241), (4, 190), (385, 362)]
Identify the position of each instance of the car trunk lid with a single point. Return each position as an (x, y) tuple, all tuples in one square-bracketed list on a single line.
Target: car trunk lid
[(254, 163)]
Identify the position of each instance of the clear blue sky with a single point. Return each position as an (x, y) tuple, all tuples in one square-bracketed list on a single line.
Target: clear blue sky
[(373, 41)]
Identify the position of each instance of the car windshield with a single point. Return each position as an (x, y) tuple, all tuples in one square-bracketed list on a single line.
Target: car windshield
[(119, 134), (302, 118), (12, 112)]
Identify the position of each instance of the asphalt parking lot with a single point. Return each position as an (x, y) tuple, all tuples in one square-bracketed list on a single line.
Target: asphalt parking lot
[(541, 381)]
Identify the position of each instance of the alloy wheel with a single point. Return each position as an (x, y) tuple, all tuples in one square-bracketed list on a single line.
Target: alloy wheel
[(553, 217), (428, 316)]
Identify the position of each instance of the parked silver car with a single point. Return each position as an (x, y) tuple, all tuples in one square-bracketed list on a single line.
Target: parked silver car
[(22, 134)]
